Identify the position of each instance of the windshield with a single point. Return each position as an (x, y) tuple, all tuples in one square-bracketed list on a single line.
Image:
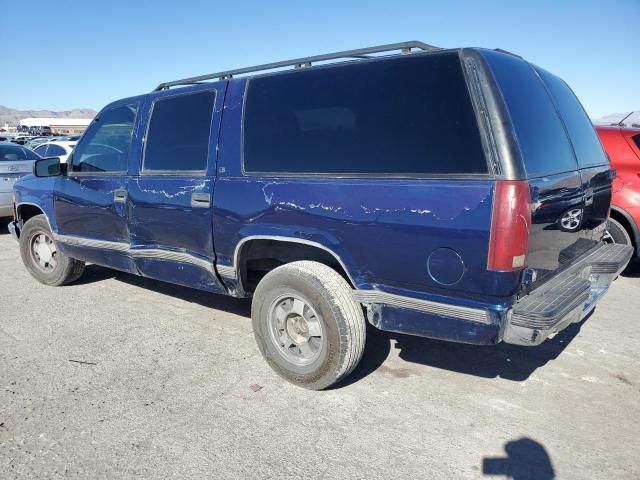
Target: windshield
[(10, 153)]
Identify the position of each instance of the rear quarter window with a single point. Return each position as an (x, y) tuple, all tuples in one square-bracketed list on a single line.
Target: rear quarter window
[(407, 116), (636, 139), (541, 136), (583, 136)]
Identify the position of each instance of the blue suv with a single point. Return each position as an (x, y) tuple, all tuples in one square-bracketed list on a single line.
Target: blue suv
[(458, 194)]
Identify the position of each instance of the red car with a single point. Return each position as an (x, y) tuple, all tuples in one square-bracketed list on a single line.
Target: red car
[(622, 144)]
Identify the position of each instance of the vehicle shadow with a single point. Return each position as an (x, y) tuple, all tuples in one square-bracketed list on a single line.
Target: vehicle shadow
[(632, 270), (509, 362), (237, 306), (526, 459)]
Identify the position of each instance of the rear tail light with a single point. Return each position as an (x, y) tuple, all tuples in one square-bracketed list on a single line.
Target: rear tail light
[(510, 226)]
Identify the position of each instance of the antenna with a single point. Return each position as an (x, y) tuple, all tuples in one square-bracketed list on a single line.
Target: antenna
[(620, 123)]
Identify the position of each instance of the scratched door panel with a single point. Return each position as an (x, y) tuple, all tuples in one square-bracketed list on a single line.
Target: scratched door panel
[(383, 230), (171, 196)]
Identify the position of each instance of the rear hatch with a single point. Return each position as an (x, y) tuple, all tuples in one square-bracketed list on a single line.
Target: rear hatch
[(566, 168)]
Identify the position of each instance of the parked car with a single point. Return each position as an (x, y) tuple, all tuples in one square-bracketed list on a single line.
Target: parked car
[(35, 141), (622, 144), (62, 150), (21, 139), (458, 194), (40, 130), (15, 162)]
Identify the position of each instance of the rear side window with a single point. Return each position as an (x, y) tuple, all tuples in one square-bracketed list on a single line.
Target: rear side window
[(581, 132), (405, 116), (541, 136), (41, 150), (636, 139), (56, 151), (178, 134)]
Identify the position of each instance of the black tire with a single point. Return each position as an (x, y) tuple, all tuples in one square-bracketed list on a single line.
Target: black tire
[(618, 234), (66, 269), (341, 318)]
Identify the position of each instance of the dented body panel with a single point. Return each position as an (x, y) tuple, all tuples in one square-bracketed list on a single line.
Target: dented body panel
[(413, 247)]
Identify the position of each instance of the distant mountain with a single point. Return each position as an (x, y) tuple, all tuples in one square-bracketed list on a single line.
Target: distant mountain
[(13, 116), (616, 117)]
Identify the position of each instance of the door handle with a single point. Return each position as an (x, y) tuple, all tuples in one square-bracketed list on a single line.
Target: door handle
[(200, 200), (120, 196)]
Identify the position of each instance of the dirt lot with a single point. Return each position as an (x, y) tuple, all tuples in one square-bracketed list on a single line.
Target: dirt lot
[(165, 392)]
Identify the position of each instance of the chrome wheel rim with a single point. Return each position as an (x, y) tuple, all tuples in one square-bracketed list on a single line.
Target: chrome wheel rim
[(44, 252), (607, 237), (571, 219), (296, 330)]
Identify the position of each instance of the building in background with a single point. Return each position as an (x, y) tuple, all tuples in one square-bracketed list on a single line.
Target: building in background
[(58, 125)]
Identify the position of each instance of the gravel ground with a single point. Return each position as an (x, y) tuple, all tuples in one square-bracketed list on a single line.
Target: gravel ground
[(120, 377)]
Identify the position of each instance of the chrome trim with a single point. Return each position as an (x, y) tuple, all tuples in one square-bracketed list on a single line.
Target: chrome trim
[(425, 306), (226, 271), (231, 271), (91, 243), (137, 252), (180, 257)]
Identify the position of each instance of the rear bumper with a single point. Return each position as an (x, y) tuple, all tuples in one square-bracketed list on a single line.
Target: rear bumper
[(566, 298)]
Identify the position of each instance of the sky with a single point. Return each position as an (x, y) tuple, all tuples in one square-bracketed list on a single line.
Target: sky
[(60, 55)]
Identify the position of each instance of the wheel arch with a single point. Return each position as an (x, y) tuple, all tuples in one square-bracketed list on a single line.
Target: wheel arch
[(27, 210), (255, 256)]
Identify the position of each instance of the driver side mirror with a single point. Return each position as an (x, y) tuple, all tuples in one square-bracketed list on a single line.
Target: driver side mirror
[(48, 167)]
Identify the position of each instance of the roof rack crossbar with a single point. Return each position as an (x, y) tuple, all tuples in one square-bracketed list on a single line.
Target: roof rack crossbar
[(404, 47)]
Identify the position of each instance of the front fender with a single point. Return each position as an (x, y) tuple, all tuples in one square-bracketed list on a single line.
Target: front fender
[(38, 192)]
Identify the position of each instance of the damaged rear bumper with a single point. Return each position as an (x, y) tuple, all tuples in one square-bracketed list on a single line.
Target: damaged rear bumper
[(566, 298)]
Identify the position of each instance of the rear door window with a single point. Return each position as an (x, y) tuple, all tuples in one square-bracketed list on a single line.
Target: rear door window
[(541, 136), (409, 116), (581, 132), (178, 133)]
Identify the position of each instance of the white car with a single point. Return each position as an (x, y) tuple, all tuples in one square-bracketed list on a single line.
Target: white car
[(15, 161), (55, 149)]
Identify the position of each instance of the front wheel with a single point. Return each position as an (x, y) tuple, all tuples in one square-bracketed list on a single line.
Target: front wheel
[(307, 324), (41, 256)]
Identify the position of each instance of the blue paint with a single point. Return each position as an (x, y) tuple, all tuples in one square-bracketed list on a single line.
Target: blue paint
[(398, 320), (421, 238)]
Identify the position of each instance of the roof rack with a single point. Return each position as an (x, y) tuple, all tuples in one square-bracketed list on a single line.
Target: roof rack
[(404, 47)]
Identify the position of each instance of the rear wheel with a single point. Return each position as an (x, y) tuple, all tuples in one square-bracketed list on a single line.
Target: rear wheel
[(307, 324), (41, 256)]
